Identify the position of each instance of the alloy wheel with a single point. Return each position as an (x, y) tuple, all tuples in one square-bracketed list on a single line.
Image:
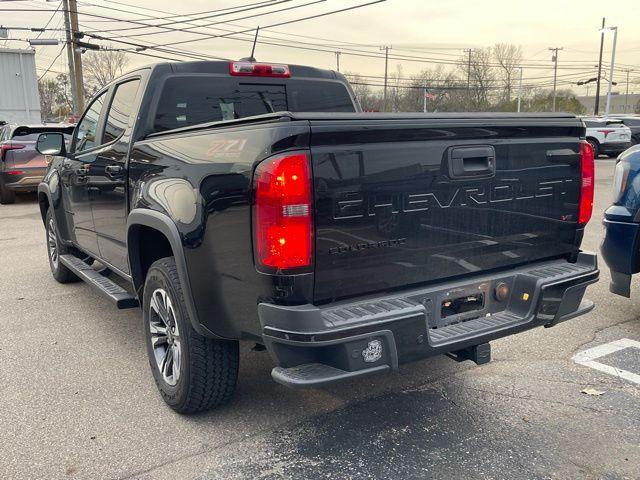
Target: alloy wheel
[(165, 336), (52, 244)]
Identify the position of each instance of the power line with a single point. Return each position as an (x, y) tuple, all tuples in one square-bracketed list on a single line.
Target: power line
[(162, 47), (370, 54), (288, 22), (50, 18), (164, 25), (52, 63), (332, 44), (175, 14)]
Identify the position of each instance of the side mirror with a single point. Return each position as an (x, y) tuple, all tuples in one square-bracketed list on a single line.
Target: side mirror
[(50, 144)]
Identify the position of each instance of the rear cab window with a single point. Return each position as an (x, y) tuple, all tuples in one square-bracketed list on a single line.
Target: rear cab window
[(120, 110), (189, 100)]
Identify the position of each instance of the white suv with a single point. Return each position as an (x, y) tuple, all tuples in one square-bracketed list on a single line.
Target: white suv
[(610, 137)]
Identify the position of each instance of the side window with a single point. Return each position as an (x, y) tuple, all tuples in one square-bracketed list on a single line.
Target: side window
[(120, 110), (85, 136)]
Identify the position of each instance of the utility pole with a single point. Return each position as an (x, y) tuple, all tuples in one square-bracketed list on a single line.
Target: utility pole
[(77, 55), (613, 61), (554, 59), (597, 105), (469, 51), (386, 71), (338, 60), (519, 89), (69, 41), (626, 95)]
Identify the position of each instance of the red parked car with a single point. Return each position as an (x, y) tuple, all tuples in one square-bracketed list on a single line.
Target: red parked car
[(22, 168)]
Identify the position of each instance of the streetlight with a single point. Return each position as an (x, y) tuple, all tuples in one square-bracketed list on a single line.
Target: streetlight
[(613, 59)]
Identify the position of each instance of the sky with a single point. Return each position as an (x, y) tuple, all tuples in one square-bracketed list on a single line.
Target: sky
[(421, 33)]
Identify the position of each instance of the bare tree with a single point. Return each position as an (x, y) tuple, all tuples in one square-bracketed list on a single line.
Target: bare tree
[(55, 101), (441, 87), (509, 58), (477, 68), (48, 89), (101, 67), (396, 82), (369, 101)]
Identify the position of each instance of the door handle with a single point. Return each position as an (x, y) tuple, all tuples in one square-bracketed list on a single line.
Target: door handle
[(82, 171), (113, 170), (472, 162)]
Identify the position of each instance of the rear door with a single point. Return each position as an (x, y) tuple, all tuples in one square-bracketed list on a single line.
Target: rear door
[(407, 202), (108, 193)]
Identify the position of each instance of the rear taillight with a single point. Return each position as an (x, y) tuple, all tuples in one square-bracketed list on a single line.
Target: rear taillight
[(587, 170), (14, 172), (9, 146), (283, 227), (250, 69)]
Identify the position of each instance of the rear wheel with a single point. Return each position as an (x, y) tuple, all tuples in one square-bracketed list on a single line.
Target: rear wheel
[(55, 248), (596, 147), (193, 373), (6, 196)]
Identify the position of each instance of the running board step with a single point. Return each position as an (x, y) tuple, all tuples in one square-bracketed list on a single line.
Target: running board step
[(102, 284), (318, 374)]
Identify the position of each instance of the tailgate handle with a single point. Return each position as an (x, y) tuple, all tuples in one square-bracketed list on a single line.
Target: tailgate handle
[(472, 162)]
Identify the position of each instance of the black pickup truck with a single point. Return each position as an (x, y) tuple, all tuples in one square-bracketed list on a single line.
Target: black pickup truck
[(254, 202)]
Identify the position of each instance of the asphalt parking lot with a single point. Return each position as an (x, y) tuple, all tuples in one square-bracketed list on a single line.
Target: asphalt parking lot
[(78, 400)]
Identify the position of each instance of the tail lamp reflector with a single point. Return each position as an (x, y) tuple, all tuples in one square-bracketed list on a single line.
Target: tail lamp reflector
[(283, 227), (587, 169)]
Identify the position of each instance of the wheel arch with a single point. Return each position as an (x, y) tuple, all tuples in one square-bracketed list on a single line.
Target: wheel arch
[(157, 228), (44, 200)]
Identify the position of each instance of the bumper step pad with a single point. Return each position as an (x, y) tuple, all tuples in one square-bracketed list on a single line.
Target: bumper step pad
[(114, 292), (317, 374), (473, 327)]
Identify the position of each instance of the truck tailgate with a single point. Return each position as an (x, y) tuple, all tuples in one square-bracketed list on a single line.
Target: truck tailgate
[(406, 201)]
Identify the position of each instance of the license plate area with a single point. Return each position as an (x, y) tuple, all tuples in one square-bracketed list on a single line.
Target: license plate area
[(462, 304)]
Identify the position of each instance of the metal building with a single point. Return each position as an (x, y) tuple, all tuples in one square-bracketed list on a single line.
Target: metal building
[(19, 97)]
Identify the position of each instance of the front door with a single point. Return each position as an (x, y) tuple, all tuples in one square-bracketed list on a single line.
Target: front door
[(108, 192), (75, 177)]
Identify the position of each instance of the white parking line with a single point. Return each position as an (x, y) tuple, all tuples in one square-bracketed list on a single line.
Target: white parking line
[(588, 357)]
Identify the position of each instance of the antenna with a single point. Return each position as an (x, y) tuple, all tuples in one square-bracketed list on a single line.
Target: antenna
[(253, 47)]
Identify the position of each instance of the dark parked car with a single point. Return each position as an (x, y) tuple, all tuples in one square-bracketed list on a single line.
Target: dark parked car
[(621, 247), (21, 166), (253, 202), (633, 122)]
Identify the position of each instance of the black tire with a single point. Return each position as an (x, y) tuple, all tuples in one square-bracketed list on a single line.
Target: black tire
[(61, 273), (6, 196), (207, 368), (596, 147)]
